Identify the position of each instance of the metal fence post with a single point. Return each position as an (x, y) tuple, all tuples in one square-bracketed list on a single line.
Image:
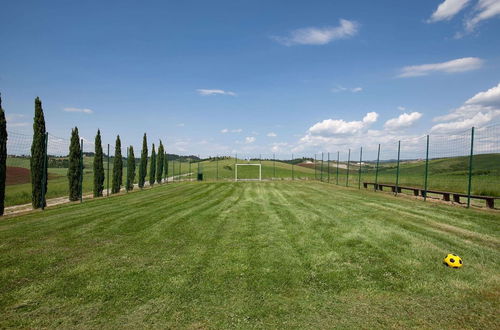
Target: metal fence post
[(338, 158), (127, 180), (179, 177), (426, 168), (321, 168), (348, 161), (107, 176), (397, 169), (217, 168), (293, 177), (328, 167), (166, 172), (360, 161), (315, 168), (189, 161), (469, 186), (376, 169), (274, 166), (81, 171), (44, 174)]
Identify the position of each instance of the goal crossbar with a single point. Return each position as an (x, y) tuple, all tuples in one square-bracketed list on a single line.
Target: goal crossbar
[(236, 172)]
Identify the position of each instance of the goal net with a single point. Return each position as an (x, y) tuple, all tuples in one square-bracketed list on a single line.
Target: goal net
[(248, 172)]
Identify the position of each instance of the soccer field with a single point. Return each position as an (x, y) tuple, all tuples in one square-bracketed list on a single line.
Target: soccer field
[(250, 255)]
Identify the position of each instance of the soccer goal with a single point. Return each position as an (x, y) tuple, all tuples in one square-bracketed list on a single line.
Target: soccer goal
[(246, 173)]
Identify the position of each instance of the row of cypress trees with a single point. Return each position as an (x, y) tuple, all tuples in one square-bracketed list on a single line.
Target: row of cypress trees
[(38, 162), (3, 156), (157, 166)]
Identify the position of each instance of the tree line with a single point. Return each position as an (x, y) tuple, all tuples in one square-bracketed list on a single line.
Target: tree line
[(158, 164)]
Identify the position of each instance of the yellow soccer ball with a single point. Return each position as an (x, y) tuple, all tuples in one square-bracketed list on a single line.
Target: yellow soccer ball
[(452, 260)]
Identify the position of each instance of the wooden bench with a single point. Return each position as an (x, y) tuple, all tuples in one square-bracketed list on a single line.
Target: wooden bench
[(490, 200)]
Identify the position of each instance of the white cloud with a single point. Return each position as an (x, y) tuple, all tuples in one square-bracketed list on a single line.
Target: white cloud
[(344, 89), (489, 97), (207, 92), (280, 147), (404, 120), (447, 9), (329, 127), (82, 110), (320, 36), (249, 139), (453, 66), (226, 130), (272, 134), (401, 108), (485, 9), (476, 111)]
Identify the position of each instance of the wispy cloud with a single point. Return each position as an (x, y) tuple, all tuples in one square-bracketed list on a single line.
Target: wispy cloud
[(207, 92), (272, 134), (320, 36), (480, 109), (485, 9), (453, 66), (345, 89), (401, 108), (447, 10), (226, 130), (82, 110), (249, 139)]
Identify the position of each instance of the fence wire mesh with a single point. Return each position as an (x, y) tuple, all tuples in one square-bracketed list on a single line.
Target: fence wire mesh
[(454, 163)]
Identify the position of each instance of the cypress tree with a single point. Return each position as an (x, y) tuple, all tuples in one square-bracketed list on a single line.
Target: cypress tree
[(98, 166), (3, 156), (38, 158), (159, 163), (143, 166), (130, 169), (152, 168), (74, 170), (117, 167)]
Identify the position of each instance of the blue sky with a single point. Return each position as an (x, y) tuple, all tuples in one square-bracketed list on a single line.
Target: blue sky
[(252, 77)]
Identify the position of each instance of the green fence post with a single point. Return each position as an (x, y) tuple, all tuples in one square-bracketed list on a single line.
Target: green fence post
[(274, 166), (44, 174), (338, 158), (189, 162), (315, 168), (107, 176), (173, 170), (217, 168), (397, 168), (127, 180), (81, 171), (166, 172), (360, 161), (375, 186), (293, 177), (321, 168), (348, 162), (180, 170), (469, 187), (426, 168), (328, 167)]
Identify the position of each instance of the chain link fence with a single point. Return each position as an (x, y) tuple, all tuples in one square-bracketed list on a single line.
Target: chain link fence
[(463, 165)]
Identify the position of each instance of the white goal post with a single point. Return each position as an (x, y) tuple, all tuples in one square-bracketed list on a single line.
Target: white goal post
[(236, 172)]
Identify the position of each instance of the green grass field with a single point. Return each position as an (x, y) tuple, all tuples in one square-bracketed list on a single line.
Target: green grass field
[(250, 255), (448, 174)]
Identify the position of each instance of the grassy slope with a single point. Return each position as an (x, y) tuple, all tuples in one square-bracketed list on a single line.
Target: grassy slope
[(270, 254)]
